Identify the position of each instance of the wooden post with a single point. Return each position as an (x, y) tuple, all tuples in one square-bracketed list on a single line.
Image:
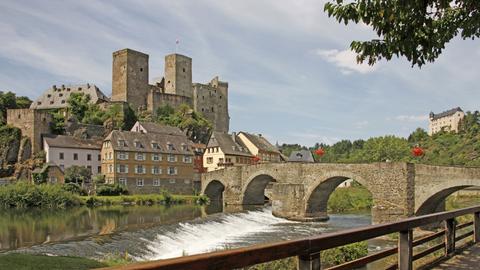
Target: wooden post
[(449, 236), (476, 227), (309, 262), (405, 250)]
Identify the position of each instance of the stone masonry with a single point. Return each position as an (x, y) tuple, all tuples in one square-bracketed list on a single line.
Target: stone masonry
[(300, 191)]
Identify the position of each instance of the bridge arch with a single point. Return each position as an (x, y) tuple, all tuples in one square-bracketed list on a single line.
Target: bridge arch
[(254, 189), (214, 190), (319, 191), (436, 202)]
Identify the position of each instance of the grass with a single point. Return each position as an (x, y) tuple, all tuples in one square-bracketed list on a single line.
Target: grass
[(143, 199), (41, 262)]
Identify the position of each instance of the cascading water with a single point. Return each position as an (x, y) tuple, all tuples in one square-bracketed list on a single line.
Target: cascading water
[(191, 238)]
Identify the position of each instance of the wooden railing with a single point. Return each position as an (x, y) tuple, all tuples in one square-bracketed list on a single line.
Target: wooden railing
[(308, 250)]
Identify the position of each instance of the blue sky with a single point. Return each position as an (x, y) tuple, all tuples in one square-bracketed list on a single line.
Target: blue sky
[(291, 76)]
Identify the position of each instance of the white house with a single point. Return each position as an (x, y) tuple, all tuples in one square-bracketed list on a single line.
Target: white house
[(66, 151)]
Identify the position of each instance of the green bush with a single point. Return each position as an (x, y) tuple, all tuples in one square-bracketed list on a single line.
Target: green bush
[(25, 195), (111, 190), (74, 188), (350, 199)]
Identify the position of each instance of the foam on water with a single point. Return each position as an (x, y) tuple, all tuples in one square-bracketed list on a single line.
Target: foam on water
[(193, 238)]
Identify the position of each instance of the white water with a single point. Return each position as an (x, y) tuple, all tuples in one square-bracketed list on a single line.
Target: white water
[(191, 238)]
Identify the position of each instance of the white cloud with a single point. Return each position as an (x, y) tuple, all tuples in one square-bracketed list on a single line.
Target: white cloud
[(410, 118), (345, 60)]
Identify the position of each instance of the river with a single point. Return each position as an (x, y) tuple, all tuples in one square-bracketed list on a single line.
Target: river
[(155, 232)]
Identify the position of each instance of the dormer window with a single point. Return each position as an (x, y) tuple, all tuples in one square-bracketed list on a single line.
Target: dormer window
[(138, 144), (184, 147), (122, 143), (170, 146), (155, 145), (49, 95)]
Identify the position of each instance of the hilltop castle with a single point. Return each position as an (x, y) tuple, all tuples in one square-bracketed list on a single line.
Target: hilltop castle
[(130, 84)]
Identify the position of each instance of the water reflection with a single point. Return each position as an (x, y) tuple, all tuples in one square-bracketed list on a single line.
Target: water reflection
[(25, 228)]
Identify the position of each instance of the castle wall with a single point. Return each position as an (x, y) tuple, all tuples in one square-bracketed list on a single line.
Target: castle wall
[(212, 101), (130, 78), (32, 123), (158, 99), (178, 75)]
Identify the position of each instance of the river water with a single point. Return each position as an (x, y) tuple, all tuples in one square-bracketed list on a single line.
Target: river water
[(155, 232)]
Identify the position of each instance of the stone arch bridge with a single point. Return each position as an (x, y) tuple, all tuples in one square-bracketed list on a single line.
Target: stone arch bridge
[(300, 191)]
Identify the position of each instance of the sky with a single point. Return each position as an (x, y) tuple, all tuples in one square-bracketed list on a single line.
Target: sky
[(291, 74)]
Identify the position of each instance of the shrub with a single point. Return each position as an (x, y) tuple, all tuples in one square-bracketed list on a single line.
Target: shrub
[(24, 195), (111, 190), (74, 188)]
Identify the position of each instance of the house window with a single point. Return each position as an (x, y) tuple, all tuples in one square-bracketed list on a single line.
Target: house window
[(53, 180), (121, 143), (122, 168), (187, 159), (60, 156), (172, 170), (172, 158), (110, 156), (156, 157), (89, 168), (122, 155), (62, 167), (99, 157), (122, 181), (156, 182), (75, 156), (140, 156), (172, 181), (155, 145), (140, 169), (156, 170), (220, 160), (139, 182), (110, 168), (99, 169), (184, 147), (170, 146), (209, 160), (89, 157)]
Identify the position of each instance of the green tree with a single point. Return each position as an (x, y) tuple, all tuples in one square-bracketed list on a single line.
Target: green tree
[(78, 104), (197, 128), (94, 115), (9, 100), (57, 126), (77, 175), (417, 30), (418, 136)]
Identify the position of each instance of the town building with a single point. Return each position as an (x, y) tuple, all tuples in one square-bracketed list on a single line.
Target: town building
[(149, 127), (66, 151), (57, 97), (301, 156), (260, 147), (130, 83), (225, 150), (148, 162), (447, 121)]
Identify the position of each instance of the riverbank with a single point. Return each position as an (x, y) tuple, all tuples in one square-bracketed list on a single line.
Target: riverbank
[(144, 199), (29, 262)]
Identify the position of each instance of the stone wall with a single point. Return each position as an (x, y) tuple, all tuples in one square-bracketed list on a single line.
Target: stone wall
[(212, 101), (158, 99), (178, 75), (32, 123)]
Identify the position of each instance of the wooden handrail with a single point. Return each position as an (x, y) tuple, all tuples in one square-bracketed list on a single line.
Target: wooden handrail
[(306, 248)]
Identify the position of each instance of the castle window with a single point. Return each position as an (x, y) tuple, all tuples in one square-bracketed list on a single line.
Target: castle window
[(49, 95), (220, 97), (203, 97), (183, 69), (203, 109), (212, 109), (63, 101), (39, 103), (60, 95), (141, 69)]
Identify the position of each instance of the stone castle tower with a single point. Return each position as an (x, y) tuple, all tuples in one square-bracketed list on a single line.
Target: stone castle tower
[(130, 84)]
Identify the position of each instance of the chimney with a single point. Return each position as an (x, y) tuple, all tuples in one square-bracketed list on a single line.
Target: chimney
[(234, 136)]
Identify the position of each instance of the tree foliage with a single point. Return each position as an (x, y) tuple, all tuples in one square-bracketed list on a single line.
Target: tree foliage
[(417, 30), (78, 104), (197, 128), (77, 174)]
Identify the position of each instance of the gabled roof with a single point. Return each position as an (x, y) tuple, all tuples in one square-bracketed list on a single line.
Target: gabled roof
[(56, 97), (127, 140), (229, 144), (445, 113), (260, 142), (161, 129), (63, 141), (301, 156)]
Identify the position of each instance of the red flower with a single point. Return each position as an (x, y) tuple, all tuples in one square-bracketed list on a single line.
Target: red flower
[(256, 159), (417, 151), (319, 152)]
